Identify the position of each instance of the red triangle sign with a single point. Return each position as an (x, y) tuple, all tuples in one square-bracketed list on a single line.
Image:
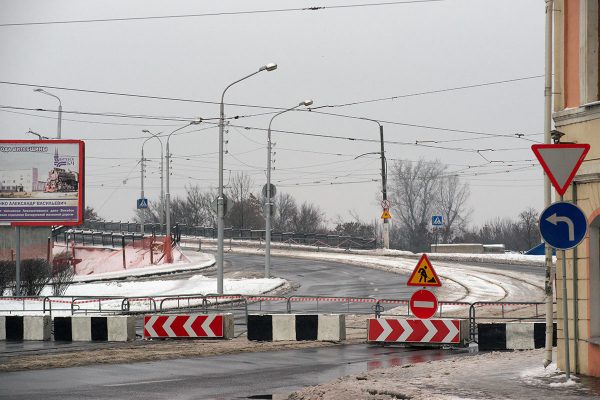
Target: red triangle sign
[(560, 162), (424, 274)]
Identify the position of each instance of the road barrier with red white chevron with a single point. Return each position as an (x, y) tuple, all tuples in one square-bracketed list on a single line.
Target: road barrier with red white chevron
[(423, 331), (188, 326)]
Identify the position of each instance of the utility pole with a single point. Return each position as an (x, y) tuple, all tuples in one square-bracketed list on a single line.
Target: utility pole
[(142, 187), (268, 203), (547, 193), (386, 225)]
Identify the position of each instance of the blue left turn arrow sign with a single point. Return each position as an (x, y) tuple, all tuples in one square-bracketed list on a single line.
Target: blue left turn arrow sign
[(563, 225)]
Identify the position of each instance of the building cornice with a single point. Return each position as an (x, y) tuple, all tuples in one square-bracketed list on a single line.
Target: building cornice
[(584, 113)]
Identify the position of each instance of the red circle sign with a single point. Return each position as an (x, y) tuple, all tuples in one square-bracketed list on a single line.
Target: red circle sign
[(423, 304)]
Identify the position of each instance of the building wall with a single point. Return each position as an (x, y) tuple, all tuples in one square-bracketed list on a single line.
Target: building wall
[(575, 114)]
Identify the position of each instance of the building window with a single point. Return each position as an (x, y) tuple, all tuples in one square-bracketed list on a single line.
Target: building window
[(588, 51)]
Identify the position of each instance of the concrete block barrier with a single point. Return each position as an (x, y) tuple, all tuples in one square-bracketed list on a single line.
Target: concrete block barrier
[(434, 331), (200, 326), (278, 327), (29, 327), (85, 328), (512, 336)]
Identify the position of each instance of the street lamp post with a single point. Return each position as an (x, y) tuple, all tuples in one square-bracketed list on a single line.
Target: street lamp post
[(59, 109), (386, 225), (168, 196), (162, 191), (220, 202), (142, 174), (268, 203)]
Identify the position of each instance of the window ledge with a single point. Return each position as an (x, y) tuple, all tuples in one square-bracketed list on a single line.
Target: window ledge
[(594, 340)]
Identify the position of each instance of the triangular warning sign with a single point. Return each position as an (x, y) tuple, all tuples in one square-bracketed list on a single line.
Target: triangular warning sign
[(560, 162), (424, 274), (386, 214)]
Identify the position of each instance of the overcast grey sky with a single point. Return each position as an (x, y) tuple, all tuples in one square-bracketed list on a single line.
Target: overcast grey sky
[(334, 56)]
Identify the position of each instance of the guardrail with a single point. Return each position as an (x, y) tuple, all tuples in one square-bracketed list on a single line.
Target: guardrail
[(512, 311)]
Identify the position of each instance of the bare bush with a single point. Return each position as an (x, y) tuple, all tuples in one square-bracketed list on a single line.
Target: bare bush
[(7, 275), (62, 273), (35, 274)]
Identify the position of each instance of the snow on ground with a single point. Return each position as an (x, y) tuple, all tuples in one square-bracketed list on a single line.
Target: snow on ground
[(506, 258), (497, 375), (198, 261), (97, 259), (140, 290), (460, 281)]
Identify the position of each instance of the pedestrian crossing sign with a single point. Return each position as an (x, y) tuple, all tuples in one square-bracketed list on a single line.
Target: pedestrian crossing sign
[(437, 220), (424, 274), (142, 203)]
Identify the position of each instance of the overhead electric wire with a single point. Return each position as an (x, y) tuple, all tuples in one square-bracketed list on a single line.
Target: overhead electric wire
[(353, 103), (217, 14), (152, 97)]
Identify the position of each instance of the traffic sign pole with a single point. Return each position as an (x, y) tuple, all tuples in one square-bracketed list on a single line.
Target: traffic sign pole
[(565, 312)]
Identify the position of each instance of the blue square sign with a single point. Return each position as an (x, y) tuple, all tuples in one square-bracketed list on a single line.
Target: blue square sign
[(142, 203), (437, 220)]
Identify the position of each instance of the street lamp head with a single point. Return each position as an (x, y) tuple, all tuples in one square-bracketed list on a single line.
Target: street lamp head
[(145, 131), (268, 67), (196, 121), (38, 90), (306, 103)]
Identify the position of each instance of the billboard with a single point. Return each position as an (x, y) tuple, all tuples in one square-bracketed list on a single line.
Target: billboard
[(41, 182)]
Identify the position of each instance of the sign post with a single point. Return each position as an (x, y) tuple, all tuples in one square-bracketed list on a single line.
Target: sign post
[(562, 225)]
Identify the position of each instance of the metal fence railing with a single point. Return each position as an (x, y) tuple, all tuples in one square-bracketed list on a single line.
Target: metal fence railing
[(308, 239), (242, 305)]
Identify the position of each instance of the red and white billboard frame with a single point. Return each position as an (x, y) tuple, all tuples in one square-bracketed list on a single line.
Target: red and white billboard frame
[(80, 184)]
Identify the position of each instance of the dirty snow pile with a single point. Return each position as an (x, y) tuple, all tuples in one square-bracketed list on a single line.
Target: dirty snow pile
[(508, 375)]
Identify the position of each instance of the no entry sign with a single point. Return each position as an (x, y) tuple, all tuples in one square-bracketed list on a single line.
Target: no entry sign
[(423, 304)]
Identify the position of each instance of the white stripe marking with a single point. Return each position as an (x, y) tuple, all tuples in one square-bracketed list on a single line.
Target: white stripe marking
[(143, 382), (149, 325), (167, 326), (206, 326), (431, 331), (453, 331), (387, 329), (424, 304), (407, 330), (188, 326)]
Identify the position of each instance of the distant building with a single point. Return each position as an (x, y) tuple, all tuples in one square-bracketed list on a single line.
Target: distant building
[(20, 180), (577, 115)]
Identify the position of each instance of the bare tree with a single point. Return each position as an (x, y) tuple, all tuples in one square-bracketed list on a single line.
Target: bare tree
[(308, 219), (452, 202), (413, 192), (355, 227), (285, 212), (245, 209), (528, 224)]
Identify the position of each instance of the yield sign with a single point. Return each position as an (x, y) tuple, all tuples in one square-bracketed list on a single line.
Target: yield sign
[(560, 162), (424, 274)]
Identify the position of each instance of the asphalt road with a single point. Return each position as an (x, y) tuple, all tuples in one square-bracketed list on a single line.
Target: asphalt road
[(247, 375), (309, 278), (239, 376)]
